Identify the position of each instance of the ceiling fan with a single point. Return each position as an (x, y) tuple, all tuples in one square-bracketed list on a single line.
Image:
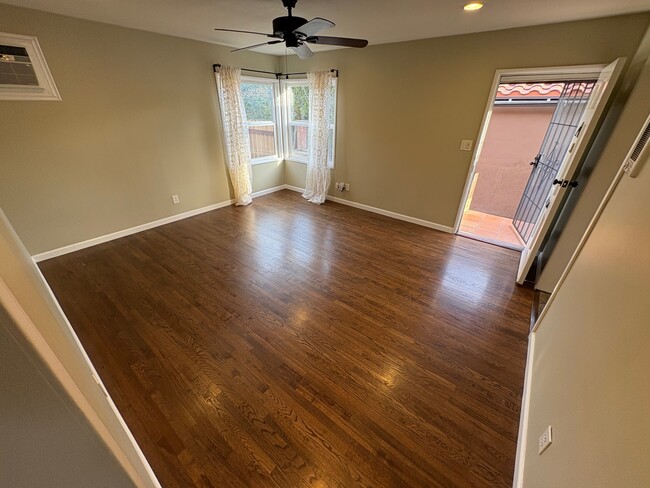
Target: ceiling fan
[(295, 32)]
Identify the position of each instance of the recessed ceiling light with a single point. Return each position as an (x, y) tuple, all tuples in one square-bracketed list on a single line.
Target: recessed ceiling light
[(473, 6)]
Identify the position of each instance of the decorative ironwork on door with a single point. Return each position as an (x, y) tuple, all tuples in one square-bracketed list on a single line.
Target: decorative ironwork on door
[(564, 125)]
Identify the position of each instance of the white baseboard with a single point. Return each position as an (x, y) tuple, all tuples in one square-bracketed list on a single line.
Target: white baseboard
[(381, 211), (173, 218), (522, 439), (267, 191), (294, 188), (139, 228), (394, 215)]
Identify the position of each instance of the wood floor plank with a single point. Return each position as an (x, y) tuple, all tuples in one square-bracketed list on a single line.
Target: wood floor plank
[(286, 344)]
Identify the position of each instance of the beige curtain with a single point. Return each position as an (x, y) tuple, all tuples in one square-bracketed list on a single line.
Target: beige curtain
[(320, 107), (235, 134)]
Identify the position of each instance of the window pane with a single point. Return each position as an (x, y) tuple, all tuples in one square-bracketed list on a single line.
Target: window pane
[(259, 106), (258, 101), (262, 138), (298, 97), (299, 102), (299, 138)]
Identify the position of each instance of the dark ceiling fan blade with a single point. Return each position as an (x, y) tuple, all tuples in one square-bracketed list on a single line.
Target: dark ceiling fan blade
[(314, 26), (255, 45), (337, 41), (303, 51), (246, 32)]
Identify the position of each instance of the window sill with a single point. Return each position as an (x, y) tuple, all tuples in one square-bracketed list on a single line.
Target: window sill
[(295, 160), (270, 159)]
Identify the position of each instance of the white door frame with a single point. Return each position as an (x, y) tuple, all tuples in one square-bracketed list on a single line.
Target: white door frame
[(554, 73)]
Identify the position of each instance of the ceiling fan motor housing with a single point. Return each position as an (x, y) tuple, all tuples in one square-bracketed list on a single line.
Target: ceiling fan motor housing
[(282, 26)]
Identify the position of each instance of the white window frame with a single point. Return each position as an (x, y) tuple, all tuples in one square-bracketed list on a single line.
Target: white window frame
[(46, 89), (285, 85), (277, 119)]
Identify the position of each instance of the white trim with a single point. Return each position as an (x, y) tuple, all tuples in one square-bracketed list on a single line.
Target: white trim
[(266, 192), (191, 213), (294, 188), (294, 160), (139, 228), (46, 89), (275, 123), (298, 156), (477, 149), (381, 211), (125, 232), (551, 73), (266, 160), (520, 459), (394, 215), (554, 73)]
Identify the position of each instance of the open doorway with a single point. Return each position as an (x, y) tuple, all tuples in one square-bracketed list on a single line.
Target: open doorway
[(552, 169), (520, 118)]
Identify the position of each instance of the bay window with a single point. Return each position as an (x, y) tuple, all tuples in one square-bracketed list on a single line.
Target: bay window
[(277, 119)]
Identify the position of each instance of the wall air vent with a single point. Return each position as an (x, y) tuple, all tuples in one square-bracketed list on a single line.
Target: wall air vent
[(639, 152), (24, 75)]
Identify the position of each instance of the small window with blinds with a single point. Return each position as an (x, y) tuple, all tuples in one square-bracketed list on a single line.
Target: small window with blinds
[(24, 74)]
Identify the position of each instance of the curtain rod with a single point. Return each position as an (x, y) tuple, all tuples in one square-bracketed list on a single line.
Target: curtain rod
[(215, 67)]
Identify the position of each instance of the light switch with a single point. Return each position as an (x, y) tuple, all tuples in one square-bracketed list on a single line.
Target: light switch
[(466, 145)]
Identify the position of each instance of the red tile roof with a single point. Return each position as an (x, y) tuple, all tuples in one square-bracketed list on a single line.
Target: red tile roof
[(530, 90)]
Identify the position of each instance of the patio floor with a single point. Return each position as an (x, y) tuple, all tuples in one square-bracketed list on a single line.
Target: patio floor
[(490, 228)]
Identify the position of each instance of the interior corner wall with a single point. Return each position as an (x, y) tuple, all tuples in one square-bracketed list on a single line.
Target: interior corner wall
[(403, 108), (591, 357), (138, 122), (22, 279), (46, 441)]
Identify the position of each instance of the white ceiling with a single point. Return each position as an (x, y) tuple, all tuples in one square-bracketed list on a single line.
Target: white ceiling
[(379, 21)]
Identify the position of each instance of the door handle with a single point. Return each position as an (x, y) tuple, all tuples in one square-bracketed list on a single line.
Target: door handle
[(565, 183), (535, 161)]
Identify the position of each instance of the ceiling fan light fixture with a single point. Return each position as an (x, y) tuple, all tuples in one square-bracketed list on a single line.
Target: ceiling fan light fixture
[(473, 6)]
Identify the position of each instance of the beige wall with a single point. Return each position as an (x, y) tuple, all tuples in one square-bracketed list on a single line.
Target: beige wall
[(138, 123), (592, 349), (403, 108)]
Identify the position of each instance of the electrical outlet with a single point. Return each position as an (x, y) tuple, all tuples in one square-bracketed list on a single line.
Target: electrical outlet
[(347, 187), (175, 199), (466, 145), (545, 440)]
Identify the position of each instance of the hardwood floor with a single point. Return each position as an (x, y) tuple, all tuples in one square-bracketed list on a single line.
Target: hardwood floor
[(286, 344)]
